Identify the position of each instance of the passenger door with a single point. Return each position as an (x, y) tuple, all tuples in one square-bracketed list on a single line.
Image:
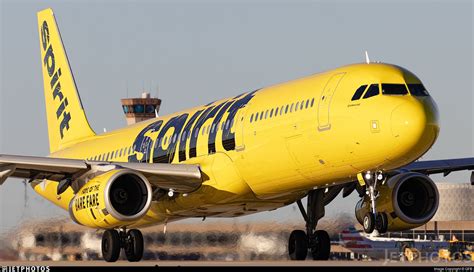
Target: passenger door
[(325, 99)]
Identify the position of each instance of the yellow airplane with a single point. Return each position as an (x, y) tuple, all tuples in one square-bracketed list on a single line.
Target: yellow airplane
[(358, 127)]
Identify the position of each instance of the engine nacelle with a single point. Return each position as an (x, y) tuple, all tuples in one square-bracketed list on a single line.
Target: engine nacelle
[(409, 200), (115, 198)]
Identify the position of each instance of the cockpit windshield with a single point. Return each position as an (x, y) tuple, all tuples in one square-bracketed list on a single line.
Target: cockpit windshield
[(418, 90), (394, 89), (373, 90)]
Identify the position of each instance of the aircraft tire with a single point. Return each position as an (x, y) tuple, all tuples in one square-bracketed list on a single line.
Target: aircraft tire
[(381, 222), (110, 245), (323, 246), (369, 222), (298, 245), (134, 245)]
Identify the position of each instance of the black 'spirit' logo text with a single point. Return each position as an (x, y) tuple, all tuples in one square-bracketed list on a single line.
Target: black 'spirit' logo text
[(54, 75)]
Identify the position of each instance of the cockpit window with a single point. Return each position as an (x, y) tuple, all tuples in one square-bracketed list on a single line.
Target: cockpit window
[(417, 90), (394, 89), (372, 91), (358, 93)]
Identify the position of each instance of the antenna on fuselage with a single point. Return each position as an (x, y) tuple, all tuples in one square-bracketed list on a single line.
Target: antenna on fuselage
[(367, 60)]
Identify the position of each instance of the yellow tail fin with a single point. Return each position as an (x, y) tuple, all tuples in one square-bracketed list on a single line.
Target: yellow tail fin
[(67, 122)]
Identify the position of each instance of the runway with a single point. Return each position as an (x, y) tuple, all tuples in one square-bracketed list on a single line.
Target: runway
[(307, 263)]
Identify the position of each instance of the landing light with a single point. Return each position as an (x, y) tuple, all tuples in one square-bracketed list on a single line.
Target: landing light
[(368, 176)]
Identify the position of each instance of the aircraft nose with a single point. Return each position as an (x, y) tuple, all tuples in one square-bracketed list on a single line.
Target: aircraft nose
[(415, 126)]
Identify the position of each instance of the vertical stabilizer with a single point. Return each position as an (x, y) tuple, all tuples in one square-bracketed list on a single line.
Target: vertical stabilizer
[(67, 122)]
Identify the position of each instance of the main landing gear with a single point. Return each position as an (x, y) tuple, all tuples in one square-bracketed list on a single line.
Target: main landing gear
[(131, 241), (317, 242), (373, 219)]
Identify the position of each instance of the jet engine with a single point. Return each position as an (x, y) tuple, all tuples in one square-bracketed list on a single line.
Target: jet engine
[(115, 198), (409, 200)]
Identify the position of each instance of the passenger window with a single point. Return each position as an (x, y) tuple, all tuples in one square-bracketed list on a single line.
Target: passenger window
[(372, 91), (281, 110), (261, 115), (291, 107), (302, 105), (307, 103), (251, 118), (394, 89), (297, 105), (417, 90), (266, 114), (276, 111), (271, 113), (312, 102), (358, 93)]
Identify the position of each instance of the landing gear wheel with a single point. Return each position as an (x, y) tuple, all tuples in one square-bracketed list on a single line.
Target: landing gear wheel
[(381, 222), (369, 222), (134, 245), (322, 247), (298, 245), (110, 245)]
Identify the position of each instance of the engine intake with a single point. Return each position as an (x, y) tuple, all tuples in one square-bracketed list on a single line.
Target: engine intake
[(415, 197)]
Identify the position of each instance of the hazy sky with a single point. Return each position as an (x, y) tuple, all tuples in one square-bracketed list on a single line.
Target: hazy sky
[(199, 51)]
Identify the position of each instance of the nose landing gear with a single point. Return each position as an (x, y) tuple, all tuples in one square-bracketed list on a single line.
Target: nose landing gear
[(373, 219), (317, 242), (113, 241)]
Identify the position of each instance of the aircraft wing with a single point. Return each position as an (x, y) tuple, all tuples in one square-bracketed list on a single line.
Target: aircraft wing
[(424, 167), (179, 177), (441, 166)]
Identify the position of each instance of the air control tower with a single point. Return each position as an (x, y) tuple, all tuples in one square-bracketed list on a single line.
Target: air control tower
[(140, 109)]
